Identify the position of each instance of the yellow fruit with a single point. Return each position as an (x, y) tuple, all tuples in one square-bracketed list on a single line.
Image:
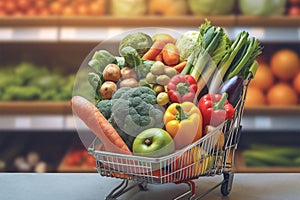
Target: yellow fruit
[(285, 64), (282, 94)]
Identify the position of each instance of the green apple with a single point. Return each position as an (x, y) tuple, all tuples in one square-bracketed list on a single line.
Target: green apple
[(153, 142)]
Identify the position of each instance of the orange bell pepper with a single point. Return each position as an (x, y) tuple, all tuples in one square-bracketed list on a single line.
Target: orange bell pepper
[(184, 123)]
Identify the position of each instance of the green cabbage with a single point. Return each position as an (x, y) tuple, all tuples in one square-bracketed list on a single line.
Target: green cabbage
[(211, 7), (262, 7)]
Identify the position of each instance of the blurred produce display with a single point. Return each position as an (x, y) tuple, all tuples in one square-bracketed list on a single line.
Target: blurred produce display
[(211, 7), (262, 7), (52, 7), (30, 163), (79, 159), (168, 7), (262, 155), (128, 7), (27, 81), (277, 83), (148, 7), (293, 8)]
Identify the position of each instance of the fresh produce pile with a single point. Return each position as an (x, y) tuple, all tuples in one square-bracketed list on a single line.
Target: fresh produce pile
[(148, 7), (26, 81), (52, 7), (263, 155), (151, 100), (277, 81)]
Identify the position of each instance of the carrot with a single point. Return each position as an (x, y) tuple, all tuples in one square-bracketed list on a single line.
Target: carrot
[(159, 57), (179, 67), (170, 54), (97, 123), (155, 49)]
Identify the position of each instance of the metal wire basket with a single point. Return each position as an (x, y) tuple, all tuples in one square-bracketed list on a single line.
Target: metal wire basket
[(206, 157)]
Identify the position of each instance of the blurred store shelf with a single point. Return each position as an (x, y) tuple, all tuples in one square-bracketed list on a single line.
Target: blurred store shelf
[(13, 29)]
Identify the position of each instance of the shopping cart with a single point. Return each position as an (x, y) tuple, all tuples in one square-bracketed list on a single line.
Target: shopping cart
[(206, 157)]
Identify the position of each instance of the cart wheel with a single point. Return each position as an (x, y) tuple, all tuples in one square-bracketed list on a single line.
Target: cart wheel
[(224, 189), (143, 186), (227, 183)]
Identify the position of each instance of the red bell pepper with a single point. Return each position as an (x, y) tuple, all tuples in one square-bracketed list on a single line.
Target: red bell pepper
[(182, 88), (215, 109)]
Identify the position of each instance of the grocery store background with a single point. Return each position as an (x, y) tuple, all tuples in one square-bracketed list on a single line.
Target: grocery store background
[(44, 42)]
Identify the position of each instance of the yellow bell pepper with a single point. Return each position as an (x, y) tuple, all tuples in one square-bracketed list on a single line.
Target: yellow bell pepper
[(184, 123)]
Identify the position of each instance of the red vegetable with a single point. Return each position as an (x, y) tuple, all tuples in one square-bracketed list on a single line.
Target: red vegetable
[(182, 88), (215, 109)]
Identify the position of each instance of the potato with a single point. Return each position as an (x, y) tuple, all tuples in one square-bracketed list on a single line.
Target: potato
[(130, 82), (128, 73), (170, 72), (112, 72), (107, 89), (158, 68), (163, 80)]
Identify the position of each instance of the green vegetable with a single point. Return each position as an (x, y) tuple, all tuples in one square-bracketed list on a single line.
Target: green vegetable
[(211, 7), (104, 107), (27, 81), (131, 56), (213, 44), (121, 62), (244, 59), (271, 155), (144, 68), (100, 60), (26, 71), (45, 82), (238, 60), (21, 92), (136, 110), (186, 44), (262, 7), (139, 41)]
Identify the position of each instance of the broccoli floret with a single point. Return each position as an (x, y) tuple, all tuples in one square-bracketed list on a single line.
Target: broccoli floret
[(144, 68), (104, 107), (120, 92), (136, 110)]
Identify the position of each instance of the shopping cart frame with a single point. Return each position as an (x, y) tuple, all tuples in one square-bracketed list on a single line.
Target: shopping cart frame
[(202, 158)]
